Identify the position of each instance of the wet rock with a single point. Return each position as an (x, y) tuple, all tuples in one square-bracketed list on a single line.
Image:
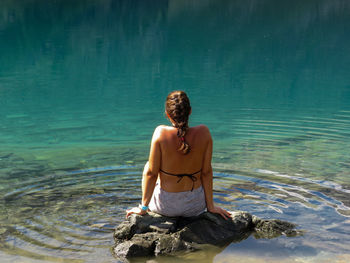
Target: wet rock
[(274, 228), (2, 230), (153, 234), (24, 209)]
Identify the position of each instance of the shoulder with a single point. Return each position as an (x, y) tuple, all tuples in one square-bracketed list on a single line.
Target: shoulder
[(162, 128), (202, 133), (160, 131), (203, 129)]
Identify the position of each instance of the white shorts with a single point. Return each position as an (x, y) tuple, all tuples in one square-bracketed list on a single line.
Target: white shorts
[(188, 203)]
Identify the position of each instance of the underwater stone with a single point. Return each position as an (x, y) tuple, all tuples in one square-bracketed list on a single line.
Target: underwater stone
[(153, 234), (274, 228), (2, 230), (24, 209)]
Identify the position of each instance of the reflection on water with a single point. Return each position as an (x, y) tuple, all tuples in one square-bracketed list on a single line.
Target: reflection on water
[(71, 214), (82, 85), (67, 215), (277, 250)]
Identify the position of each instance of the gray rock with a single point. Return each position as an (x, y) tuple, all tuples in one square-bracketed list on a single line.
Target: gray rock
[(153, 234), (274, 228)]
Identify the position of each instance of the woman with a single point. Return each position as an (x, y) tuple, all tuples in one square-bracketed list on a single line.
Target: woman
[(178, 177)]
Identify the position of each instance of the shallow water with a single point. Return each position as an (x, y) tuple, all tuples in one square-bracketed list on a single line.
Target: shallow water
[(82, 86)]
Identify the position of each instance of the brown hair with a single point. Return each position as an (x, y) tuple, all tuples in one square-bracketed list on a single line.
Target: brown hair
[(178, 107)]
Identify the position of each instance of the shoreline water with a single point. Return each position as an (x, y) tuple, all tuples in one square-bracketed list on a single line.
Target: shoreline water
[(82, 88), (99, 195)]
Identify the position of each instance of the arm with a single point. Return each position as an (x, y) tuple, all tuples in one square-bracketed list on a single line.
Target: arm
[(207, 174), (150, 174), (151, 170), (207, 180)]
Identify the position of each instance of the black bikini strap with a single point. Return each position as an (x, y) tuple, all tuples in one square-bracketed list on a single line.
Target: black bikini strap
[(191, 176), (180, 174)]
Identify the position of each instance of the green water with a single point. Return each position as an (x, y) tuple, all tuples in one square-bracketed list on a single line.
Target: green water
[(82, 87)]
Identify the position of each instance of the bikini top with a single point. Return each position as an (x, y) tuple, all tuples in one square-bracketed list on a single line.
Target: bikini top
[(191, 176)]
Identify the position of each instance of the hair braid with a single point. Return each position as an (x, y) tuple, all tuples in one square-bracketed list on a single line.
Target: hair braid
[(178, 107)]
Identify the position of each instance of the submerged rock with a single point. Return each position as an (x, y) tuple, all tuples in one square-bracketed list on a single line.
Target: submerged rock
[(153, 234)]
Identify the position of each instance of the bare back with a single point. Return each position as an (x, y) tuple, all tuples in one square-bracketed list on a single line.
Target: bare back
[(172, 161), (180, 160)]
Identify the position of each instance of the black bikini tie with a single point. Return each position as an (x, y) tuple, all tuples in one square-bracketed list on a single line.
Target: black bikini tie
[(191, 176)]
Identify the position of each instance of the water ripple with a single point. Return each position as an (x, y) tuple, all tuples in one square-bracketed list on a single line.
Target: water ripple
[(66, 216)]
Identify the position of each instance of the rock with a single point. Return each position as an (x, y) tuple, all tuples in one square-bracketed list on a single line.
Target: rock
[(274, 228), (153, 234), (2, 230)]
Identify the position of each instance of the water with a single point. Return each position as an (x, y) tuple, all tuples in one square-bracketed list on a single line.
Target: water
[(82, 86)]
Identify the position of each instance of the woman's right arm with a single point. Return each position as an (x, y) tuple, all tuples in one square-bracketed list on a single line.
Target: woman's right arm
[(207, 178), (150, 173)]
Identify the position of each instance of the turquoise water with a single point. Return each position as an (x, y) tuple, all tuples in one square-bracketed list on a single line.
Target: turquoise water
[(82, 86)]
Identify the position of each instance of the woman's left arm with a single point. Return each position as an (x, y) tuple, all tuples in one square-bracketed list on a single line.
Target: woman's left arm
[(150, 173)]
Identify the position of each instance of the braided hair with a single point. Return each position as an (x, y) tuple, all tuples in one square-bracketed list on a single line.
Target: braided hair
[(178, 107)]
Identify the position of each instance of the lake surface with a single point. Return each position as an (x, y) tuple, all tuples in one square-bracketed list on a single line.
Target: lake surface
[(82, 87)]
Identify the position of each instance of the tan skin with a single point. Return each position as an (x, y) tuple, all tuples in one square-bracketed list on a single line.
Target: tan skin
[(164, 155)]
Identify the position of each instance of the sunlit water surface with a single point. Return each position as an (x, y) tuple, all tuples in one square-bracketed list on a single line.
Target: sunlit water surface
[(82, 86)]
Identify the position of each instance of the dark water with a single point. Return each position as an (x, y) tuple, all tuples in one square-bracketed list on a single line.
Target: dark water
[(82, 86)]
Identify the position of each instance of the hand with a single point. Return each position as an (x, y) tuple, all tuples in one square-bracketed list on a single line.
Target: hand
[(135, 210), (218, 210)]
